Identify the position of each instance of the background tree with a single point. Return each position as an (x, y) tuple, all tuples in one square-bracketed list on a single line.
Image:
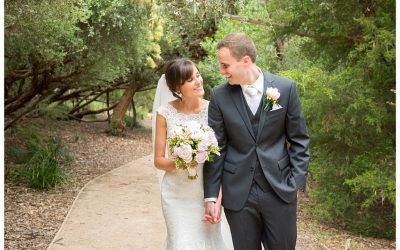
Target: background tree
[(60, 51), (76, 53)]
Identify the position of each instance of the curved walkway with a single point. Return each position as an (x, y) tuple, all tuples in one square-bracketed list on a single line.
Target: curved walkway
[(122, 210), (118, 210)]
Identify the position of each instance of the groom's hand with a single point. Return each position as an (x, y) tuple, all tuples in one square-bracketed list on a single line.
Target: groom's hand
[(211, 213)]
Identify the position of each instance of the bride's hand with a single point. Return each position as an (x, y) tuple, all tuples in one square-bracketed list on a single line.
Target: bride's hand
[(183, 166), (193, 165)]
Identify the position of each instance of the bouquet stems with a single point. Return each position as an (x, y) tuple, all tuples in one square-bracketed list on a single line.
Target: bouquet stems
[(192, 173)]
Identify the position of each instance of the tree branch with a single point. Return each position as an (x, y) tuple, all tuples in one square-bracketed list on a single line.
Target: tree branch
[(62, 78), (91, 112), (323, 36), (33, 91), (247, 19), (90, 101), (60, 98), (28, 110), (81, 120), (311, 34), (147, 88), (79, 106)]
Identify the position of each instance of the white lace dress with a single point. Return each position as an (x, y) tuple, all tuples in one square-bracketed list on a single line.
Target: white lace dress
[(182, 199)]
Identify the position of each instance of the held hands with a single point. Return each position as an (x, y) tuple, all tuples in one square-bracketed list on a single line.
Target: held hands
[(212, 213)]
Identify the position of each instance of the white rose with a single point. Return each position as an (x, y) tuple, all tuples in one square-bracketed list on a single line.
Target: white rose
[(273, 93)]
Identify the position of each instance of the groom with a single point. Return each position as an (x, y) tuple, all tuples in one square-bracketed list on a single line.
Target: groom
[(264, 150)]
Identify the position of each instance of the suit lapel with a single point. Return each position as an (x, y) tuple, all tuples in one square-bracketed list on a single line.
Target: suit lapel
[(238, 100), (267, 83)]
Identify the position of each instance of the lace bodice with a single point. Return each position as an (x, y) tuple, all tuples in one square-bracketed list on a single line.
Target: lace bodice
[(173, 117)]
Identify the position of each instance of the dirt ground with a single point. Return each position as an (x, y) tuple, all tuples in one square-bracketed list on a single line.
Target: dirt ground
[(32, 217)]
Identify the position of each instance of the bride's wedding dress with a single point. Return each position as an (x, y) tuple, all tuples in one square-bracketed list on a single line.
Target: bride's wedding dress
[(183, 200)]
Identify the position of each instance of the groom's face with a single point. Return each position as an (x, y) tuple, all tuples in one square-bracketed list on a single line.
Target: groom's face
[(230, 67)]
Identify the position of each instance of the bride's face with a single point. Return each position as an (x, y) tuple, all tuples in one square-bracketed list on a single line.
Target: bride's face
[(193, 87)]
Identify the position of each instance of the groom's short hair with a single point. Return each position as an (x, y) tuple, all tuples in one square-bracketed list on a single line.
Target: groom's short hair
[(240, 45)]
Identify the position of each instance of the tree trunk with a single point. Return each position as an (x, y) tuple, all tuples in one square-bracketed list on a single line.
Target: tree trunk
[(117, 125), (108, 106), (23, 99), (279, 46), (134, 114)]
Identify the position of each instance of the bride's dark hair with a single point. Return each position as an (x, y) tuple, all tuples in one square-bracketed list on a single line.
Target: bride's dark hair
[(177, 72)]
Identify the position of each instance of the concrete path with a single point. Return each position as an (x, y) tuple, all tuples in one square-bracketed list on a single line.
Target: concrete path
[(118, 210), (122, 210)]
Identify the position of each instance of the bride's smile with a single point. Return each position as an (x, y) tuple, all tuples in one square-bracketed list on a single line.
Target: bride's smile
[(193, 87)]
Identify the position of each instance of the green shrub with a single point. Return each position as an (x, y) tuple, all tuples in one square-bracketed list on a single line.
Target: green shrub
[(365, 208), (352, 149), (114, 129), (54, 111), (128, 120), (39, 161)]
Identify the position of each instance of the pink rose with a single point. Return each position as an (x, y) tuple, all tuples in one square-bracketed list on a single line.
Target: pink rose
[(211, 139), (201, 157), (185, 152), (176, 151), (202, 146)]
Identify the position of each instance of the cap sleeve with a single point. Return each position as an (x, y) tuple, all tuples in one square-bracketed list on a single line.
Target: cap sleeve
[(163, 111)]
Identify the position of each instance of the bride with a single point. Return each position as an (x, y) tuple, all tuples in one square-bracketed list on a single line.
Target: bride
[(178, 100)]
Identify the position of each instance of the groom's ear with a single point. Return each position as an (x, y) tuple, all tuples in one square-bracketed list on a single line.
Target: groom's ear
[(247, 60)]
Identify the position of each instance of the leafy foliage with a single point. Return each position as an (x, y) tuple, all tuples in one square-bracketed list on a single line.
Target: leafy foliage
[(40, 162), (187, 23), (267, 57), (346, 97)]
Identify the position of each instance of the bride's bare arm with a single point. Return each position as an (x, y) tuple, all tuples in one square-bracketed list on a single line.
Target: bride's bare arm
[(160, 161)]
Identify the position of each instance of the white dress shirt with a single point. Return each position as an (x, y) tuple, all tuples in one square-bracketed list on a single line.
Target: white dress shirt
[(254, 99)]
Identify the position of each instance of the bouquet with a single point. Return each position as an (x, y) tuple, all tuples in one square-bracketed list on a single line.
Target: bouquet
[(190, 144)]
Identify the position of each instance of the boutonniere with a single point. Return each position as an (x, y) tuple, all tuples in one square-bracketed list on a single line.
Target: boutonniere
[(271, 98)]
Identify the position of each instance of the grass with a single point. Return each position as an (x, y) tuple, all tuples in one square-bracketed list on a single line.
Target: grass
[(39, 162)]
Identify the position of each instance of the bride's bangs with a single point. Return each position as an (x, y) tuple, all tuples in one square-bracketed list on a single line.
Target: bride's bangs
[(186, 71)]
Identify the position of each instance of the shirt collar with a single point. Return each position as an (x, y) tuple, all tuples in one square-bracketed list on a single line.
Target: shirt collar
[(258, 84)]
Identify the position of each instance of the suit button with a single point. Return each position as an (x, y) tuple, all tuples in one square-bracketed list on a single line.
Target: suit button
[(252, 169)]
